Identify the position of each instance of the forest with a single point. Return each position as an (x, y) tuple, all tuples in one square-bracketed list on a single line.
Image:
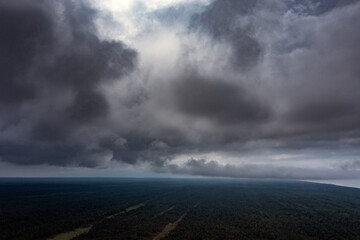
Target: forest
[(42, 209)]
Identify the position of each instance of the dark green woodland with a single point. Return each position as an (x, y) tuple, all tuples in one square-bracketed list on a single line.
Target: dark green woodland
[(39, 209)]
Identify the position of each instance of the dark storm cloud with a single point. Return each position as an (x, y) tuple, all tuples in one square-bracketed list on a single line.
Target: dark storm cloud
[(88, 106), (325, 84), (41, 47), (52, 131), (51, 56), (234, 78), (309, 63), (129, 150), (26, 31), (232, 21), (28, 153), (222, 20), (217, 100)]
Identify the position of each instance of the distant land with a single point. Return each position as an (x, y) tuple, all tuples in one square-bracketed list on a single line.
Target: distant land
[(127, 208)]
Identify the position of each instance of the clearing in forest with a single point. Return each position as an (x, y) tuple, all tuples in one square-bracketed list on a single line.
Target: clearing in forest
[(72, 234), (168, 228), (79, 231), (165, 211), (126, 210)]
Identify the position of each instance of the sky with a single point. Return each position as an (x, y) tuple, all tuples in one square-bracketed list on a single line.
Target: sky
[(195, 88)]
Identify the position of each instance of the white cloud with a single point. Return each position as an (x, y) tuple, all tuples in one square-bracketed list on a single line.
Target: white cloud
[(132, 18)]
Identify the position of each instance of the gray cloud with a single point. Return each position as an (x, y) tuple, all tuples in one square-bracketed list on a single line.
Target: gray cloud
[(222, 20), (88, 106), (217, 100), (202, 167), (240, 78), (52, 57), (316, 7), (352, 165), (21, 40)]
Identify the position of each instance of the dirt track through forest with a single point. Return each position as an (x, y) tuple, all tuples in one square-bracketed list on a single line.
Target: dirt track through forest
[(79, 231), (168, 228)]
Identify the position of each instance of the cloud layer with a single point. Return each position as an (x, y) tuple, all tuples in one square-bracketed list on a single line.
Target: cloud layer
[(250, 81)]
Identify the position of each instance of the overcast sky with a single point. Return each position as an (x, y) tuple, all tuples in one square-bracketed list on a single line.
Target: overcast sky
[(214, 88)]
